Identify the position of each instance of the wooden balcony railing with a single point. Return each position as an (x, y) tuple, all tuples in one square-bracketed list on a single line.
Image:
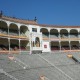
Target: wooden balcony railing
[(3, 35), (9, 52), (14, 36)]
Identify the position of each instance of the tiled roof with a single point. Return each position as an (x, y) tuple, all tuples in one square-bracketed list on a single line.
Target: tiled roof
[(13, 19), (58, 26)]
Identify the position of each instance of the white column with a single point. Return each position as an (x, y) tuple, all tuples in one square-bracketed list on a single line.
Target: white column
[(8, 39), (69, 45), (68, 34), (19, 46), (30, 36), (9, 44), (49, 40)]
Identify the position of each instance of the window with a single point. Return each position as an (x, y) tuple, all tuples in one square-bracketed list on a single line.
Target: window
[(34, 29), (45, 46)]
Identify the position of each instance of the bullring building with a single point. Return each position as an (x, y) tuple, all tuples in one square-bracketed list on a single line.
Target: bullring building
[(19, 35)]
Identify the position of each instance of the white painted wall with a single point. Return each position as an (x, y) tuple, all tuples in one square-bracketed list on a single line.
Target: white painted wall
[(45, 47), (33, 35)]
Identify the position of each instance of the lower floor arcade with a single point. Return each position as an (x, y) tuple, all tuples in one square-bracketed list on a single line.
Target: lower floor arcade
[(12, 44), (64, 45)]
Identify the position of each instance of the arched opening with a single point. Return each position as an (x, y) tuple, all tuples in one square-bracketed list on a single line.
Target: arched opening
[(4, 44), (65, 45), (13, 30), (55, 45), (14, 45), (54, 33), (79, 34), (3, 27), (24, 45), (24, 31), (37, 42), (63, 33), (45, 32), (74, 45), (73, 33)]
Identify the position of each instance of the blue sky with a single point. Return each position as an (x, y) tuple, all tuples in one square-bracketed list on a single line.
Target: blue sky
[(52, 12)]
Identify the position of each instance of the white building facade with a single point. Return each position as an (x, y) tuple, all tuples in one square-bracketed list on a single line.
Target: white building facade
[(17, 35)]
